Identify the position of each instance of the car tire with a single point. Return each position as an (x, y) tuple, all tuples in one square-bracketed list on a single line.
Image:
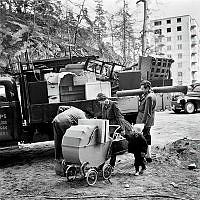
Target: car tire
[(189, 108)]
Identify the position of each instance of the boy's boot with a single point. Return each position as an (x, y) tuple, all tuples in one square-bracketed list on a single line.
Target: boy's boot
[(136, 171), (142, 170), (136, 174)]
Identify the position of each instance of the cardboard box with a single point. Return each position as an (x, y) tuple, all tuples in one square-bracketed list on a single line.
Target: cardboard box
[(128, 104), (84, 78)]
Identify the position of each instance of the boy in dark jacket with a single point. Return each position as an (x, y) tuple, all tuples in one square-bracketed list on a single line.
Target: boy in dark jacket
[(137, 145)]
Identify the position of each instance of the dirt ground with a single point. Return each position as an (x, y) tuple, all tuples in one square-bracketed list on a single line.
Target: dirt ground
[(167, 177)]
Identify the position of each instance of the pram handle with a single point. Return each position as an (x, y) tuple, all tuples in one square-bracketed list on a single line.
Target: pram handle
[(115, 134)]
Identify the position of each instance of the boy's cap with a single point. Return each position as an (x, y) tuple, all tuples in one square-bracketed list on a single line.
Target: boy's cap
[(146, 83), (101, 97), (138, 128)]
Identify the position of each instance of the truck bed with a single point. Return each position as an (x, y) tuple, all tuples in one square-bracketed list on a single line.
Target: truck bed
[(45, 113)]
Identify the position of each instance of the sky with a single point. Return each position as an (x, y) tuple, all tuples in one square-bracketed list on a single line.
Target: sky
[(170, 8), (162, 8), (158, 8)]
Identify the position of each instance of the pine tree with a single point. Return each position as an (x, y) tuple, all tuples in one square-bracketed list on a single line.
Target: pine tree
[(124, 34), (100, 24)]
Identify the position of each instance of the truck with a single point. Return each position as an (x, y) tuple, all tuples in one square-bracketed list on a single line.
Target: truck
[(26, 113)]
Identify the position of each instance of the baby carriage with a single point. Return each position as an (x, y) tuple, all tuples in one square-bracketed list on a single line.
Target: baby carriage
[(86, 148)]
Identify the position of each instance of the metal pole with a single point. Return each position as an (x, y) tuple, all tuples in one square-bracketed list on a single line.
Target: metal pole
[(144, 27), (165, 89), (124, 33)]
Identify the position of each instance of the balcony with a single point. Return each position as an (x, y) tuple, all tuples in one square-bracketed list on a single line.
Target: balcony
[(194, 67), (193, 24), (194, 50), (193, 32), (194, 42), (160, 44), (194, 60)]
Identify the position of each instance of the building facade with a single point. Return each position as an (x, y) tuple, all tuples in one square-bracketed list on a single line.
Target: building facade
[(178, 38)]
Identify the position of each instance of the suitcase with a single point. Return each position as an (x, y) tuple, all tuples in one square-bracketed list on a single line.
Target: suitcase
[(119, 146)]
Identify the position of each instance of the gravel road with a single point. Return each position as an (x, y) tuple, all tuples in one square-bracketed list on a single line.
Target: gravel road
[(167, 177)]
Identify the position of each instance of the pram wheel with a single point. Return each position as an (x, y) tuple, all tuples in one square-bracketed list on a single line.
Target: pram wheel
[(71, 173), (107, 171), (91, 176)]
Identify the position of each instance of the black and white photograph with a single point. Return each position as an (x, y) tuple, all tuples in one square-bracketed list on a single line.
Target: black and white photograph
[(99, 99)]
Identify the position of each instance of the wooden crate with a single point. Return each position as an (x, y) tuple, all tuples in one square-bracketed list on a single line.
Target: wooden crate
[(71, 93), (66, 80), (38, 92), (160, 68)]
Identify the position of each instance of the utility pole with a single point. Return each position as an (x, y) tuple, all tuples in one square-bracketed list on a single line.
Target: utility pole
[(144, 27), (124, 32)]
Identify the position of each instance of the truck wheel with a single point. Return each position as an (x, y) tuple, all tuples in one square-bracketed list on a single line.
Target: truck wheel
[(189, 108)]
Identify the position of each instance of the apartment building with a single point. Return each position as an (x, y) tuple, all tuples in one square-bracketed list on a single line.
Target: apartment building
[(178, 38)]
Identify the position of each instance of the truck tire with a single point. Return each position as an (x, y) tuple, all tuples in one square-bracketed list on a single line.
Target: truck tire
[(189, 108)]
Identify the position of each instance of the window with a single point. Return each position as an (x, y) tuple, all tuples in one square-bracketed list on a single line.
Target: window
[(180, 77), (159, 49), (179, 55), (169, 39), (179, 46), (180, 82), (2, 93), (169, 47), (168, 30), (169, 56), (180, 73), (178, 28), (197, 89), (168, 21), (178, 20), (180, 65), (179, 37), (158, 31), (157, 23)]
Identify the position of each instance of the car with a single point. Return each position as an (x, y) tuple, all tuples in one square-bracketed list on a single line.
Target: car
[(189, 103)]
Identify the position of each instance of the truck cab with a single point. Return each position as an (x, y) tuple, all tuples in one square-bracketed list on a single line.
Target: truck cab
[(10, 112)]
